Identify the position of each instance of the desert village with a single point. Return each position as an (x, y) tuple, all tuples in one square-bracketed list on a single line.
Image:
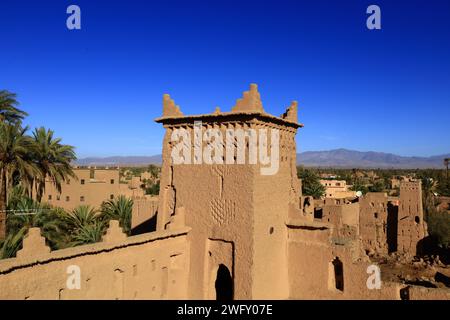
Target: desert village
[(228, 232)]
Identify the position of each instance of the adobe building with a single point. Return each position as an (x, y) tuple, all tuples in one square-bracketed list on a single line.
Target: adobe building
[(91, 186), (226, 231), (411, 226), (337, 189), (379, 222)]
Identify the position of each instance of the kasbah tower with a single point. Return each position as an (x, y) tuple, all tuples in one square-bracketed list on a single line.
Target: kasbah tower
[(237, 215)]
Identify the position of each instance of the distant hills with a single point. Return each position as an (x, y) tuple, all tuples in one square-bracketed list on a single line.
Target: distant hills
[(120, 160), (342, 158), (356, 159)]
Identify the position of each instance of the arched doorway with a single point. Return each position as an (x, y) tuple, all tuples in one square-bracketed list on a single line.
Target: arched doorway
[(224, 284)]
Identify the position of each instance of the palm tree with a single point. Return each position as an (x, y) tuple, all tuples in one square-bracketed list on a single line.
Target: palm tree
[(15, 195), (53, 160), (90, 233), (12, 244), (16, 149), (80, 217), (29, 214), (8, 108), (311, 185), (154, 171), (428, 196), (119, 209)]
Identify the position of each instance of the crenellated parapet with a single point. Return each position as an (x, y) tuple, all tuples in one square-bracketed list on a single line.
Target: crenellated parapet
[(250, 101), (114, 233), (169, 107), (291, 112), (246, 109), (33, 245)]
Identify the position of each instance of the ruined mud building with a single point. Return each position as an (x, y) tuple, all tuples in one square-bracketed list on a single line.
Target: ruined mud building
[(226, 231)]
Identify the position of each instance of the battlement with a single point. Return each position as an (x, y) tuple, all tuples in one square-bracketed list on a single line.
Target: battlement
[(247, 108)]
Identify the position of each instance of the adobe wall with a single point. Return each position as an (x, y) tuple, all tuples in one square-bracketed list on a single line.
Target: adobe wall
[(272, 197), (344, 219), (126, 190), (148, 266), (311, 272), (374, 222), (218, 204), (411, 226), (421, 293), (144, 209), (103, 187)]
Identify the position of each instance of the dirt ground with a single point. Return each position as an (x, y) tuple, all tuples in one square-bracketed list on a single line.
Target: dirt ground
[(428, 271)]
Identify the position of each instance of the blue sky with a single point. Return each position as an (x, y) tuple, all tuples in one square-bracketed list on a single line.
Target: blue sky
[(101, 87)]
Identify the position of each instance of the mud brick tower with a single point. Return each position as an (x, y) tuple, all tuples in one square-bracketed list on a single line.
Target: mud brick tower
[(237, 215)]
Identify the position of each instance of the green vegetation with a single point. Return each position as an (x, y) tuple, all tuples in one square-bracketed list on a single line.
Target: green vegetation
[(439, 228), (25, 160), (151, 188), (52, 159), (45, 217), (12, 244), (359, 185), (9, 113), (62, 229), (119, 209), (150, 185), (310, 183), (378, 186), (90, 233)]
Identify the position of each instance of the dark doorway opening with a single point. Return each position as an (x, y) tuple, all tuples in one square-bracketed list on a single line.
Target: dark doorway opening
[(318, 213), (338, 274), (391, 228), (404, 293), (224, 284)]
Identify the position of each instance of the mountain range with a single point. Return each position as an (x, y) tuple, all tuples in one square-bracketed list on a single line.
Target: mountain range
[(342, 158)]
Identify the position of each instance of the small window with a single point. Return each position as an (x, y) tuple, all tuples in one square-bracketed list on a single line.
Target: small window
[(82, 181), (111, 197), (375, 215), (58, 197), (417, 219), (82, 198), (112, 181), (49, 197), (67, 198), (338, 184), (318, 213)]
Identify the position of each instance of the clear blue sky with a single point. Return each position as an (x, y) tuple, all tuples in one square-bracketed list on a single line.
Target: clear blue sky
[(101, 87)]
